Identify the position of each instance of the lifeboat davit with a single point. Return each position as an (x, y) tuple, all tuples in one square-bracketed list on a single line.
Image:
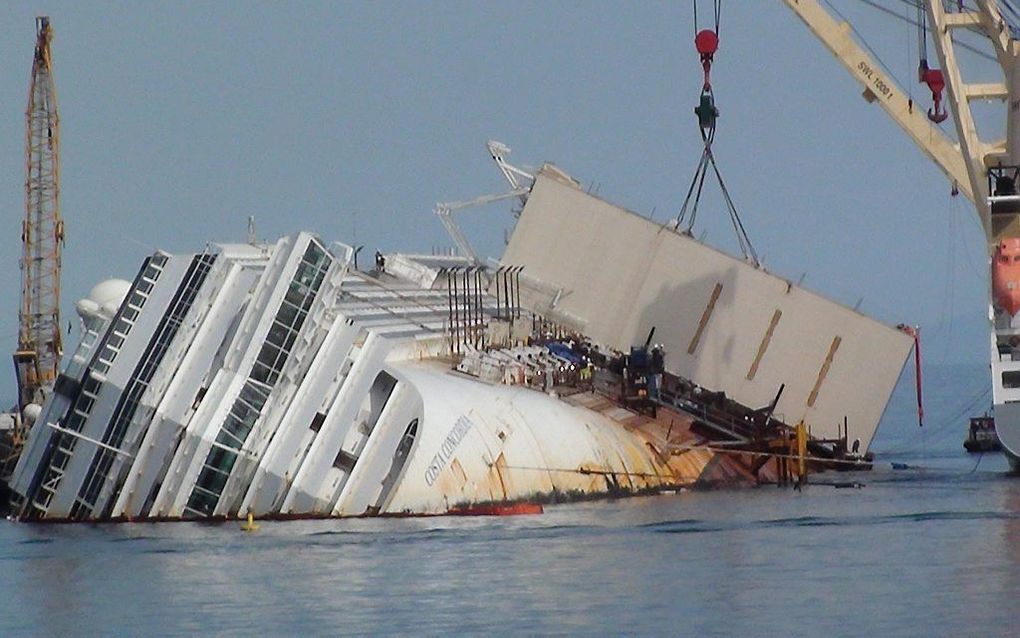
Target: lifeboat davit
[(1006, 275)]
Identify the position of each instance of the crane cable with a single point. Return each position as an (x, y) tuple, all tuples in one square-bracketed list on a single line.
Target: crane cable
[(717, 6), (706, 42), (911, 4)]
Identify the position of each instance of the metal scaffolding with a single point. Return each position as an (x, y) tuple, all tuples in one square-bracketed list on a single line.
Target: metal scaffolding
[(42, 234)]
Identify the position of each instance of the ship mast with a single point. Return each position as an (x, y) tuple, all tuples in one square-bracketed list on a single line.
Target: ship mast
[(42, 234)]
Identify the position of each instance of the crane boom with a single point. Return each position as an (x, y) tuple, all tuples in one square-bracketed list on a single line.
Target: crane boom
[(498, 152), (879, 87), (978, 154), (444, 211), (42, 235)]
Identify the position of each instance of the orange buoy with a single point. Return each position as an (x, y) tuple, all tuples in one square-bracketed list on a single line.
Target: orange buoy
[(1006, 275)]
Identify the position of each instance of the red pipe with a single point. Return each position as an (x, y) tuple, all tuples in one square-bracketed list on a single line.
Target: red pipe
[(915, 332)]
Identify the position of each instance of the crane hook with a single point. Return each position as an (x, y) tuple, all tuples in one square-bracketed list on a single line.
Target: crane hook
[(936, 82), (937, 116)]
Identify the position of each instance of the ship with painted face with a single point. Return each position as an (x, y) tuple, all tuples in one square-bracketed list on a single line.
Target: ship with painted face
[(279, 379)]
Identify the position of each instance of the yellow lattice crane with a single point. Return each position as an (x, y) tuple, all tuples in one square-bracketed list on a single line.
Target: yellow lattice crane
[(42, 232)]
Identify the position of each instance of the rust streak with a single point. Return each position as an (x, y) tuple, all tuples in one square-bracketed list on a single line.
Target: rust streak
[(753, 370), (705, 316), (824, 371)]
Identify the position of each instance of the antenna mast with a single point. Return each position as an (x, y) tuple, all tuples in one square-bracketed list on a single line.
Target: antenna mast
[(42, 232)]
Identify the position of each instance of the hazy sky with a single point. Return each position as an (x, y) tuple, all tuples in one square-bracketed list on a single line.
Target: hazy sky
[(179, 120)]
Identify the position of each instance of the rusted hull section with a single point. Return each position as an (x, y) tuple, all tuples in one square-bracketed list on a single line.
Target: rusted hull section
[(527, 445)]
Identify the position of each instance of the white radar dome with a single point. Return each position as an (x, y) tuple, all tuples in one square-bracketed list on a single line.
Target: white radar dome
[(31, 413), (104, 298)]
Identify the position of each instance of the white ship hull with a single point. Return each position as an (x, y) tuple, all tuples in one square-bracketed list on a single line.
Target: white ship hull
[(1007, 428), (1005, 370)]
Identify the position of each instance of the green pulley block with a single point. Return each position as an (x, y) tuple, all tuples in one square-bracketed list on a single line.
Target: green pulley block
[(706, 111)]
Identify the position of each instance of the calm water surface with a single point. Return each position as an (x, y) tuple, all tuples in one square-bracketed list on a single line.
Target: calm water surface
[(932, 550)]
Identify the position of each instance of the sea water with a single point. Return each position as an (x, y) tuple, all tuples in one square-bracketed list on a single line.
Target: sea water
[(931, 550)]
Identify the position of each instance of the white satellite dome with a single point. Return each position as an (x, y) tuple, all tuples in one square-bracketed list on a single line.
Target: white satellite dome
[(86, 308), (31, 413), (104, 298)]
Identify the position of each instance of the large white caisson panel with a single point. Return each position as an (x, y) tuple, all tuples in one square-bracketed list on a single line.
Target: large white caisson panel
[(725, 324)]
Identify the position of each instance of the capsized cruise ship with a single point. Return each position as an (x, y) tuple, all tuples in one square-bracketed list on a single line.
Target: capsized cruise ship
[(277, 379)]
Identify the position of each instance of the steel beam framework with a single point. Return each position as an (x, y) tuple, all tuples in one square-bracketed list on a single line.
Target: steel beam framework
[(42, 235)]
